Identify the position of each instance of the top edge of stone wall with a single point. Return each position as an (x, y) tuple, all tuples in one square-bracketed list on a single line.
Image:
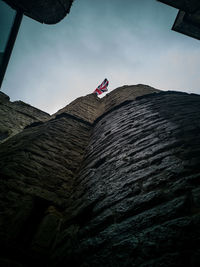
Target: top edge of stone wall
[(90, 107), (145, 96), (22, 106), (87, 108), (125, 93)]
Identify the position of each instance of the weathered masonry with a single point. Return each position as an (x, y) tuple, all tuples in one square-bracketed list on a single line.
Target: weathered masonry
[(104, 182)]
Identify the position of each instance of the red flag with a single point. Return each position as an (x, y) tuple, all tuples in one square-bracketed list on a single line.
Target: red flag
[(102, 88)]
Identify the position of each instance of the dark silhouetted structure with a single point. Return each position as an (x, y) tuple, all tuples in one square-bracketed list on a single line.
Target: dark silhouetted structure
[(188, 18), (48, 11), (5, 55)]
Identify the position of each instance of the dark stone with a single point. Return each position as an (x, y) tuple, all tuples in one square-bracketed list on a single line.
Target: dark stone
[(105, 182), (15, 116), (4, 97)]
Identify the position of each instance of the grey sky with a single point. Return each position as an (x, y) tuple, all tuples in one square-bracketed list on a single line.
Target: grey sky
[(126, 41)]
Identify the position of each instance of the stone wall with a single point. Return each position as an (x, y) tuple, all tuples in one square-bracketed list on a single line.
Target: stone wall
[(14, 116), (37, 167), (87, 108), (136, 198), (90, 107), (105, 182)]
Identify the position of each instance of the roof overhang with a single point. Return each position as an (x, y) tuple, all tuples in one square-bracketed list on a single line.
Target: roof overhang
[(188, 18), (48, 11), (188, 24)]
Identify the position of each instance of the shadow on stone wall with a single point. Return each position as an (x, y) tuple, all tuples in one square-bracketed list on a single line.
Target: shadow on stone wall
[(136, 200), (122, 191)]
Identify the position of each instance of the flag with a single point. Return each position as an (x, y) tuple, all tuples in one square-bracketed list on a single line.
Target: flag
[(101, 88)]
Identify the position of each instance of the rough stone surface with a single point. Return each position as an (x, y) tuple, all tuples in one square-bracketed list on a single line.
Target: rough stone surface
[(133, 202), (125, 93), (87, 108), (36, 170), (123, 190), (14, 116), (91, 107)]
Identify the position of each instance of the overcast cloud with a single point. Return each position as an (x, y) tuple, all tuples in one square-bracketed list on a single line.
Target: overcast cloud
[(126, 41)]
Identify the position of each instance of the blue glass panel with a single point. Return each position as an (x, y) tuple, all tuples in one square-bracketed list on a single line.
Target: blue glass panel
[(7, 15)]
